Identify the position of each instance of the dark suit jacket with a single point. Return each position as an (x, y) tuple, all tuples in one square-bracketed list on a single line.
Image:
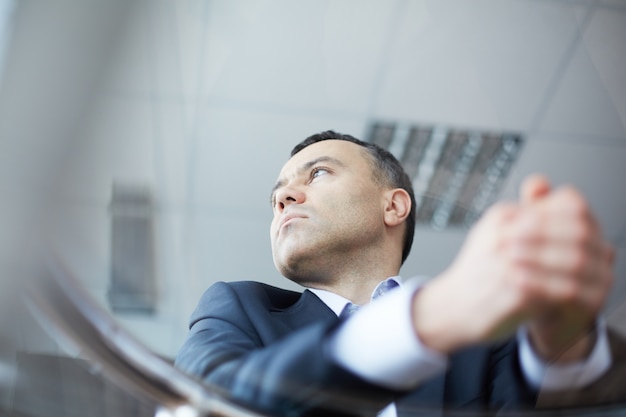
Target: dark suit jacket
[(267, 347)]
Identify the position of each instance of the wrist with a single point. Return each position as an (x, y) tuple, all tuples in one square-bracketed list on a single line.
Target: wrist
[(558, 346), (433, 320)]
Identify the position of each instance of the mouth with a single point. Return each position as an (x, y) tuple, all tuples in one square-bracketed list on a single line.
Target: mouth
[(289, 219)]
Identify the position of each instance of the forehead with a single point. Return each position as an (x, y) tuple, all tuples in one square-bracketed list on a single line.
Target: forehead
[(348, 153)]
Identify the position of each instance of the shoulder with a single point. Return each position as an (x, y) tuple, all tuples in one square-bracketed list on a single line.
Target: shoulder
[(246, 295), (257, 304), (255, 290)]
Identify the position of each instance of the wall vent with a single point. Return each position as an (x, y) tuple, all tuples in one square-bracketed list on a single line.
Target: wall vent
[(456, 173), (133, 286)]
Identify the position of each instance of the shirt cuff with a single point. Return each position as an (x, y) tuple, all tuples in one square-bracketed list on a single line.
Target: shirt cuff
[(379, 344), (552, 377)]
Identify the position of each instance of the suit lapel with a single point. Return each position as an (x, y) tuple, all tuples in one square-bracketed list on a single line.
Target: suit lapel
[(307, 310)]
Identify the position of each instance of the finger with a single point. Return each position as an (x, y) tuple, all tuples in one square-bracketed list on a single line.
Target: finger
[(533, 188), (561, 216), (566, 198), (499, 215), (559, 259), (597, 287), (571, 199), (541, 230), (555, 279), (561, 247), (548, 292)]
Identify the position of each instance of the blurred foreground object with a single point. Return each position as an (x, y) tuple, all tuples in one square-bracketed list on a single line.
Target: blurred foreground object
[(56, 55), (64, 308)]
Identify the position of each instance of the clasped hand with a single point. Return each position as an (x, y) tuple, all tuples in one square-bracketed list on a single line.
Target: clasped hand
[(541, 261)]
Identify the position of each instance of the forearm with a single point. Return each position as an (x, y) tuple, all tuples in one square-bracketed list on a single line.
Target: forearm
[(379, 343), (289, 376)]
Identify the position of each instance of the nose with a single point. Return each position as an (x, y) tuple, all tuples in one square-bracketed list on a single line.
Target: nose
[(288, 195)]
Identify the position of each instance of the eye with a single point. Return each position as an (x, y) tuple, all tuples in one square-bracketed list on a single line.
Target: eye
[(316, 172)]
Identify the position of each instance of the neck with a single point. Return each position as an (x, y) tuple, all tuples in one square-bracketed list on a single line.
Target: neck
[(355, 284), (350, 274)]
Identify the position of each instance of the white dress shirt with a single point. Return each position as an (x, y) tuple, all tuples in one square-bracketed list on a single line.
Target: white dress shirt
[(385, 325)]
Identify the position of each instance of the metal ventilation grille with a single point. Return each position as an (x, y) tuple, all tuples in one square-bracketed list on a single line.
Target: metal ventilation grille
[(456, 173), (133, 284)]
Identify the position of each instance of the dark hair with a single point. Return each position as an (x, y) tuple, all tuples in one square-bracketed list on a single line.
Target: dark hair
[(387, 170)]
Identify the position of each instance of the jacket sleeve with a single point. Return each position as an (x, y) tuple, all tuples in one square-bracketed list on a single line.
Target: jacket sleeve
[(609, 389), (282, 375)]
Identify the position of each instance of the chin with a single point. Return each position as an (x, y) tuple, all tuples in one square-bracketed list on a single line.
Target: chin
[(288, 269), (294, 266), (298, 259)]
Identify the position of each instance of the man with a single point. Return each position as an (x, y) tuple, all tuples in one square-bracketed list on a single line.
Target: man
[(344, 216)]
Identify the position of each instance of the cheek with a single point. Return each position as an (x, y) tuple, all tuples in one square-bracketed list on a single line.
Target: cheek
[(365, 204), (274, 225)]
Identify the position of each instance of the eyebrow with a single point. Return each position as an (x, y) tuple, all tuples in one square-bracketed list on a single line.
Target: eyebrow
[(304, 168)]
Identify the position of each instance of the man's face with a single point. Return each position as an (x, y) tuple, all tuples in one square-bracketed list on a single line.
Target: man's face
[(327, 209)]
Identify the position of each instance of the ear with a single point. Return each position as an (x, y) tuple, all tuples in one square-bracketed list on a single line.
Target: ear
[(397, 206)]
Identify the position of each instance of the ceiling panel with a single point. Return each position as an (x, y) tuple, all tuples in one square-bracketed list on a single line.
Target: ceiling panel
[(479, 64), (590, 98), (236, 247), (117, 144), (597, 170), (615, 4), (605, 41), (433, 251), (239, 154), (308, 54), (130, 70), (163, 51)]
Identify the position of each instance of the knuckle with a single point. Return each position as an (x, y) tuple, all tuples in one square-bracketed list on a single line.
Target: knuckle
[(564, 290), (574, 200), (523, 285), (570, 291), (582, 232), (527, 228), (498, 212), (501, 242), (577, 260)]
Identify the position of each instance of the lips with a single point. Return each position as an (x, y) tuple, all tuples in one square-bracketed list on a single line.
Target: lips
[(289, 218)]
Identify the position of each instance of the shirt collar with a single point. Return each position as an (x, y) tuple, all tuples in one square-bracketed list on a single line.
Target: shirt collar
[(337, 303)]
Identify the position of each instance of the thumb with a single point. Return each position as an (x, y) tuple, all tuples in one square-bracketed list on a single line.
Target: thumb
[(533, 188)]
